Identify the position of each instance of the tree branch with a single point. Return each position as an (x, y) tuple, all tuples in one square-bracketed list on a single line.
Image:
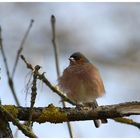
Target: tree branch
[(21, 47), (33, 95), (127, 121), (47, 82), (58, 115), (10, 80), (5, 130), (10, 116)]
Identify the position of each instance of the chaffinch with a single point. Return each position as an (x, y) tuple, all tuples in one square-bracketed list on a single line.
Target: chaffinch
[(82, 83)]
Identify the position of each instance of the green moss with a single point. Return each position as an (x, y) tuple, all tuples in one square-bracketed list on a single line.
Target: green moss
[(123, 120), (52, 114), (12, 110)]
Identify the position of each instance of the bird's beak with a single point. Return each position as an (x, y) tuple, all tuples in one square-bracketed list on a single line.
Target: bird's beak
[(71, 59)]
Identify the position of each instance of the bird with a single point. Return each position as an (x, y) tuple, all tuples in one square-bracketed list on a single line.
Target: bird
[(82, 83)]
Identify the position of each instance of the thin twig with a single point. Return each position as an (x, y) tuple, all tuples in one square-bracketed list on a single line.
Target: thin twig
[(47, 82), (10, 81), (56, 49), (26, 130), (21, 46), (56, 52), (3, 54)]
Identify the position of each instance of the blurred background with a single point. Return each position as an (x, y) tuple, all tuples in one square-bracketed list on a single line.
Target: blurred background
[(107, 33)]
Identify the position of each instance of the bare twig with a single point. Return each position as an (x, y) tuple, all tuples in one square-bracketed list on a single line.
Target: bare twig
[(26, 130), (3, 54), (21, 46), (46, 82), (56, 49), (56, 52), (10, 81), (58, 115)]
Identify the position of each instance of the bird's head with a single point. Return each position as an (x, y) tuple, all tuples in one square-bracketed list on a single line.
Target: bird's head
[(78, 58)]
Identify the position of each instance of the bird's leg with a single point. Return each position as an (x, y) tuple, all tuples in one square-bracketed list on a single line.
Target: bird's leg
[(79, 105), (62, 100)]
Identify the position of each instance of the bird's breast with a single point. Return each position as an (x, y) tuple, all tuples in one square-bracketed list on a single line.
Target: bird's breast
[(80, 84)]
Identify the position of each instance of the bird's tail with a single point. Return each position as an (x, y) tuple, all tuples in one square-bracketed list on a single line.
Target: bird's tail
[(97, 122)]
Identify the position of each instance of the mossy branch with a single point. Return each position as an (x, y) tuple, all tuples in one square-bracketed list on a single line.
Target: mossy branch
[(10, 112), (54, 114), (127, 121)]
